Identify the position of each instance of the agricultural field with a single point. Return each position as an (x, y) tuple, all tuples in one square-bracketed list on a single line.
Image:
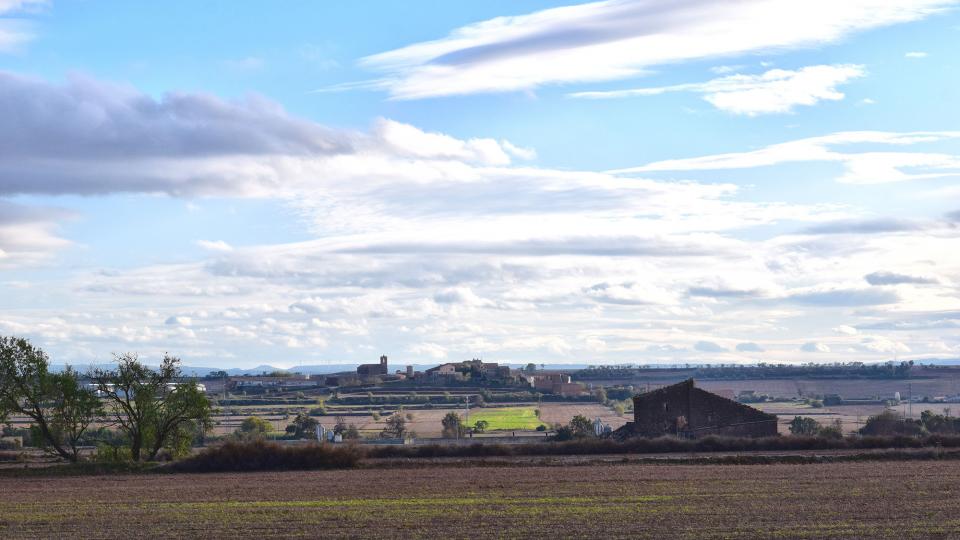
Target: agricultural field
[(852, 417), (427, 422), (561, 413), (507, 418), (837, 500)]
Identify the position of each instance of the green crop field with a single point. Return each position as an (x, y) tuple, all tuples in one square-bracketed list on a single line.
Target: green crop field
[(507, 418)]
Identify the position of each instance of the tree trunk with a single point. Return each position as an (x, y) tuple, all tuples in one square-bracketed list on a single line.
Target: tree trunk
[(45, 431), (136, 442)]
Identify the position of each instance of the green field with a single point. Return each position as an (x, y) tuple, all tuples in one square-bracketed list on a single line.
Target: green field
[(507, 418)]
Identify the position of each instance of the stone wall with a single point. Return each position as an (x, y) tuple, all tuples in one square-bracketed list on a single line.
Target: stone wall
[(687, 411)]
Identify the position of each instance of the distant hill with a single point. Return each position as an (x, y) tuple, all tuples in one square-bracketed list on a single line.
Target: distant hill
[(323, 369)]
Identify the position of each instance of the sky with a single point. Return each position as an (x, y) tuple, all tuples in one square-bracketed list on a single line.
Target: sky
[(241, 183)]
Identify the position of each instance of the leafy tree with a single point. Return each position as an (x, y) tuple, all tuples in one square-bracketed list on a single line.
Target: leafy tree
[(60, 408), (254, 426), (396, 427), (351, 432), (304, 425), (581, 426), (618, 408), (150, 406), (452, 425), (563, 433), (804, 425), (939, 423), (890, 423), (480, 426), (833, 431)]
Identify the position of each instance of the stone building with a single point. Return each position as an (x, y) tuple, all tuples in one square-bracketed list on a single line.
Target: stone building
[(684, 410), (555, 383), (372, 370)]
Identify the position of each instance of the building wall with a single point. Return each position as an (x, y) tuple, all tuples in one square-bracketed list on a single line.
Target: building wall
[(684, 410)]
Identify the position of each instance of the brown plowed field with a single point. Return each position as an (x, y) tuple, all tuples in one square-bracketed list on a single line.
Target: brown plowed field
[(840, 500)]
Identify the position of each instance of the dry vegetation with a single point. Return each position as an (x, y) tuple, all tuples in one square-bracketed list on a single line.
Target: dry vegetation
[(850, 500)]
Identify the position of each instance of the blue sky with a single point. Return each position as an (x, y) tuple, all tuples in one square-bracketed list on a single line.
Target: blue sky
[(624, 181)]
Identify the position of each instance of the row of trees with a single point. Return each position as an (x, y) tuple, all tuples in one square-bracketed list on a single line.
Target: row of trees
[(153, 408)]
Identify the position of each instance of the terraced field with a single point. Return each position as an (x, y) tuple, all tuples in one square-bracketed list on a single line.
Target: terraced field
[(848, 500)]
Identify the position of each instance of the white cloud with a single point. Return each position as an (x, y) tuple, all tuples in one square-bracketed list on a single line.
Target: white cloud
[(215, 245), (815, 347), (431, 350), (619, 39), (411, 141), (775, 91), (429, 245), (864, 167), (845, 330), (28, 235), (880, 344), (915, 54)]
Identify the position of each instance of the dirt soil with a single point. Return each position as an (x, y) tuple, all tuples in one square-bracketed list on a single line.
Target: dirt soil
[(836, 500)]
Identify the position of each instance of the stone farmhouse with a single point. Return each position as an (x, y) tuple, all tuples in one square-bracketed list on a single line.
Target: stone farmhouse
[(683, 410)]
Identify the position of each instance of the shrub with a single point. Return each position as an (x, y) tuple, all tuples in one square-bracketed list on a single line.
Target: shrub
[(661, 445), (255, 426), (107, 453), (260, 455), (803, 425)]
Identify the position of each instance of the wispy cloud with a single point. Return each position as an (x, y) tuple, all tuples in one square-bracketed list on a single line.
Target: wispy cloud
[(14, 30), (863, 167), (618, 39), (247, 63), (775, 91), (893, 278)]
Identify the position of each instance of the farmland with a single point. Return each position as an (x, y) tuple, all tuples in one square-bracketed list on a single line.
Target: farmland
[(647, 501), (507, 418), (427, 422)]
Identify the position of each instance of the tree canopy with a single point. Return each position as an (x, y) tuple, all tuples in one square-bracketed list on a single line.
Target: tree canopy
[(152, 407), (57, 404)]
